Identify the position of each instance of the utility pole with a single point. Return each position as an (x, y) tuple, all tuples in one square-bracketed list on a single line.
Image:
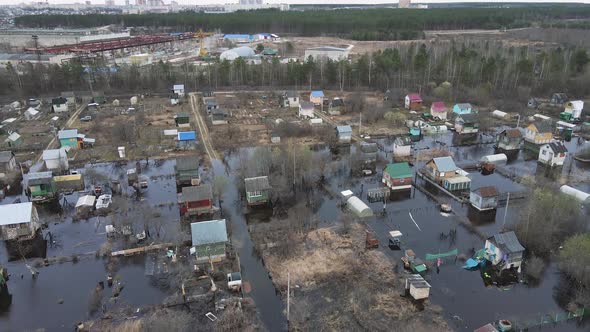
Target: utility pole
[(360, 123), (288, 295), (506, 210), (36, 41)]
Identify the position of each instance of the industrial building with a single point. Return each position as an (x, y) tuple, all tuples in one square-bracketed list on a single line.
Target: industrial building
[(46, 37), (328, 52)]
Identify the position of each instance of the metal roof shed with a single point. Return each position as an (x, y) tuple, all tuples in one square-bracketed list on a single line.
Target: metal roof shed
[(358, 207), (445, 164), (208, 232), (17, 213), (259, 183), (187, 136)]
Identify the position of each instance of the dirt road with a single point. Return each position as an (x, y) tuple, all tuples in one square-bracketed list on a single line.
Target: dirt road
[(194, 99), (68, 123)]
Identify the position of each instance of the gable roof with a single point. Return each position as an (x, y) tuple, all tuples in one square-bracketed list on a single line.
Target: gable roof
[(557, 147), (414, 97), (327, 48), (306, 105), (318, 93), (196, 193), (258, 183), (54, 154), (187, 163), (178, 87), (344, 129), (67, 133), (512, 133), (208, 232), (438, 106), (39, 178), (467, 118), (542, 126), (464, 106), (292, 94), (445, 164), (398, 170), (6, 156), (488, 191), (369, 147), (507, 242), (17, 213)]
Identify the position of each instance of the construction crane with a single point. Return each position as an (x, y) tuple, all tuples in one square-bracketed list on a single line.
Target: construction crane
[(201, 35)]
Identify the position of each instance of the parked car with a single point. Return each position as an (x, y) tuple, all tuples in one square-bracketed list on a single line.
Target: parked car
[(86, 118)]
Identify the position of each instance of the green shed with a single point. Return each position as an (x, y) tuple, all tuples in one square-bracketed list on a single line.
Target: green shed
[(41, 186), (209, 239), (257, 190)]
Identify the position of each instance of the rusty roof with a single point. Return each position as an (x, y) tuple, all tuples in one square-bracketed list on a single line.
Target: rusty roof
[(489, 191), (513, 133)]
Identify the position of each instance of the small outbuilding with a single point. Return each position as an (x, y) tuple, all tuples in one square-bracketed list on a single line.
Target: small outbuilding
[(178, 89), (56, 159), (19, 221), (13, 140), (466, 124), (439, 110), (85, 205), (290, 99), (209, 239), (316, 97), (509, 139), (182, 120), (553, 154), (196, 200), (186, 140), (484, 198), (7, 162), (397, 176), (539, 132), (59, 105), (69, 183), (32, 114), (257, 190), (41, 186), (463, 108), (219, 117), (402, 146), (187, 171), (68, 138), (496, 159), (306, 109), (344, 134), (413, 102), (417, 287), (456, 183), (504, 251)]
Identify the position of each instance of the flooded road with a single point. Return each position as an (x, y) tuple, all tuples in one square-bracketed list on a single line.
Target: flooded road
[(268, 302)]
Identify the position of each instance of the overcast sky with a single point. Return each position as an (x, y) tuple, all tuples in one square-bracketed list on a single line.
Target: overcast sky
[(203, 2)]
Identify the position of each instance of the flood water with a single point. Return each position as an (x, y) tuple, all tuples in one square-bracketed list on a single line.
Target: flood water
[(466, 301)]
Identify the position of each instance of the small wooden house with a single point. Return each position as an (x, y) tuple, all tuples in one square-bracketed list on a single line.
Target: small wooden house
[(13, 140), (7, 162), (41, 186), (178, 89), (290, 99), (186, 140), (306, 109), (70, 97), (441, 168), (484, 198), (466, 124), (538, 132), (464, 108), (317, 98), (509, 139), (69, 138), (209, 239), (417, 287), (344, 134), (59, 105), (187, 171), (504, 251), (182, 120), (397, 176), (257, 190), (56, 159), (19, 221), (211, 104), (196, 200), (402, 146), (553, 154), (413, 102), (439, 110), (219, 117), (415, 134)]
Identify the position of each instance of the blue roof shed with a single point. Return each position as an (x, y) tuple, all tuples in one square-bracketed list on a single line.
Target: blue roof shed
[(187, 136), (317, 94)]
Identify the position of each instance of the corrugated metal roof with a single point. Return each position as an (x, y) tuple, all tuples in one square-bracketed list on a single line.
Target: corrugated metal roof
[(344, 129), (327, 48), (488, 191), (6, 156), (398, 170), (258, 183), (187, 163), (16, 213), (187, 136), (87, 200), (542, 126), (467, 118), (445, 164), (458, 179), (208, 232), (196, 193), (39, 177), (67, 133), (317, 93), (507, 242), (557, 147), (512, 133)]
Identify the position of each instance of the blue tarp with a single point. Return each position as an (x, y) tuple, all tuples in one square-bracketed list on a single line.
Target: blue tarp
[(470, 264), (187, 136)]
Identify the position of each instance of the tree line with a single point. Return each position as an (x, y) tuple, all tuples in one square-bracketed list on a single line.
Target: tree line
[(367, 24)]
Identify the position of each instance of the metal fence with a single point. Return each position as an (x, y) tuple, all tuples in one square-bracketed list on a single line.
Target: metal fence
[(552, 319)]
